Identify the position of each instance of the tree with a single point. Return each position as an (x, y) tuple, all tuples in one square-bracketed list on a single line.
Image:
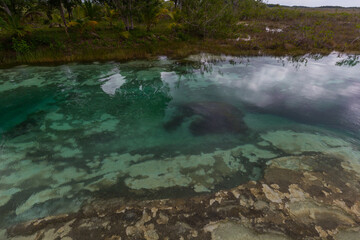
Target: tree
[(177, 3), (109, 14), (60, 5), (69, 6), (13, 15), (13, 7), (150, 10), (125, 7), (92, 10)]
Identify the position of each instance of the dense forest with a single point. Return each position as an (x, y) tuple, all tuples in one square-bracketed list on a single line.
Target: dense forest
[(80, 30)]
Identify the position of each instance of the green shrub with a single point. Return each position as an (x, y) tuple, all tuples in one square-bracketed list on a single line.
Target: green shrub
[(211, 18), (40, 40), (248, 9), (124, 35), (139, 33), (20, 46), (183, 36), (120, 26), (318, 35), (150, 12), (57, 45), (163, 38)]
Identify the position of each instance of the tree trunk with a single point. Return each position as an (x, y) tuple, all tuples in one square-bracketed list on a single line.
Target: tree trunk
[(127, 23), (178, 4), (61, 9), (48, 14), (6, 8), (131, 16), (70, 14), (13, 8)]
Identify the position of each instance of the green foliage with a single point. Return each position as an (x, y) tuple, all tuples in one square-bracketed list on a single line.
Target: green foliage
[(183, 36), (176, 27), (317, 35), (13, 25), (83, 25), (211, 18), (148, 24), (139, 33), (57, 45), (110, 15), (119, 26), (16, 7), (15, 15), (281, 13), (249, 9), (92, 10), (124, 35), (41, 39), (150, 11), (20, 46), (163, 38), (78, 12), (56, 19)]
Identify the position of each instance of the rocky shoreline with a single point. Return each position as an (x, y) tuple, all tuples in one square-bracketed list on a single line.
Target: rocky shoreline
[(307, 196)]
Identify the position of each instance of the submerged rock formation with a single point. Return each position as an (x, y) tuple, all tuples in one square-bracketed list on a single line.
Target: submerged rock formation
[(306, 196), (208, 118)]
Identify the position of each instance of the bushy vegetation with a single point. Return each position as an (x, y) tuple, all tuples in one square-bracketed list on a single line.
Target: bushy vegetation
[(68, 30)]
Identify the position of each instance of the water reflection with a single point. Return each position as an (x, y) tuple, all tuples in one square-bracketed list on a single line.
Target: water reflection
[(78, 131), (350, 61), (112, 83), (311, 89)]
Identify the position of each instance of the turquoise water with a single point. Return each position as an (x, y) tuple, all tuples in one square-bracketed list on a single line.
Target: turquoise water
[(164, 128)]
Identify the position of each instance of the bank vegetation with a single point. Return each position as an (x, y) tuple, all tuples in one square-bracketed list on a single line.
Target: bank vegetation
[(54, 31)]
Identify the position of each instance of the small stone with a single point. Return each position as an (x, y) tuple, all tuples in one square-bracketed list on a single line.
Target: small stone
[(296, 193), (182, 227), (236, 193), (150, 233), (260, 205), (322, 233), (154, 211), (114, 237), (271, 194), (131, 231), (194, 233), (163, 219)]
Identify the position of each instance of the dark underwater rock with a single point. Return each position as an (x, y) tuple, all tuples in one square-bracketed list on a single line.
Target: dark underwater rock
[(208, 118)]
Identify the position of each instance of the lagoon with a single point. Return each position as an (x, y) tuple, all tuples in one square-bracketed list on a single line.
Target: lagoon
[(166, 128)]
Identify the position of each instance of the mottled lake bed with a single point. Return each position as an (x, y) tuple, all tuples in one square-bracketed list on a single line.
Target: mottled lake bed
[(204, 147)]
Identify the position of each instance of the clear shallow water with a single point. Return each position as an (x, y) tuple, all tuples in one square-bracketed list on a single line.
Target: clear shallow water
[(149, 129)]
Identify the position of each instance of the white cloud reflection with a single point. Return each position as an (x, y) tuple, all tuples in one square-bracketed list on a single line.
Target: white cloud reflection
[(318, 90), (112, 83)]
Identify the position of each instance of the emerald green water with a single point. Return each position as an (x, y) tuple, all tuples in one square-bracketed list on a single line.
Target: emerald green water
[(76, 132)]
